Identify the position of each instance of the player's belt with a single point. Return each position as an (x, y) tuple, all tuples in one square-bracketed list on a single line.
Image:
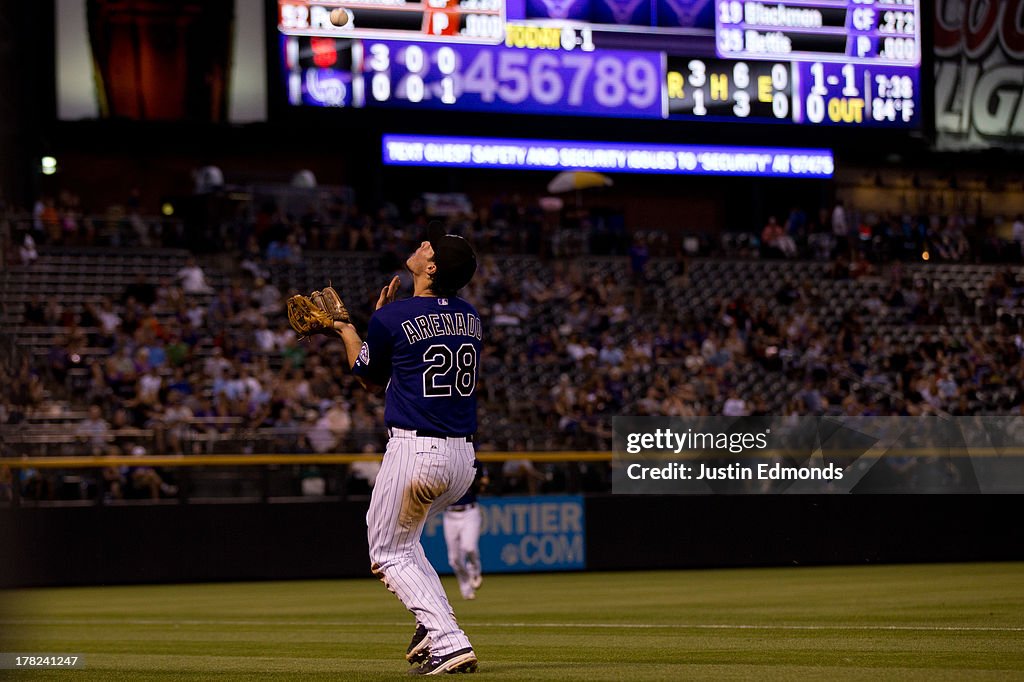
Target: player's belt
[(424, 433), (461, 507)]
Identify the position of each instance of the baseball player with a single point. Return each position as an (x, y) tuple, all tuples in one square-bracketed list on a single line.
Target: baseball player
[(425, 350), (462, 535)]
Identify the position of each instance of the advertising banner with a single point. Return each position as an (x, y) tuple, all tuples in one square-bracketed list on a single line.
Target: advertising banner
[(519, 534), (979, 74)]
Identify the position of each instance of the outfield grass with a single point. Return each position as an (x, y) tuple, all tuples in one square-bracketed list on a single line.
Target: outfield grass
[(909, 622)]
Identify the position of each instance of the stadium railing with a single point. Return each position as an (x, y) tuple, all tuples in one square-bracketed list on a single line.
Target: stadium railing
[(74, 470)]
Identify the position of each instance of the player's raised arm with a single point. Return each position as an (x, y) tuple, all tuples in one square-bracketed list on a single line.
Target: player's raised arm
[(370, 360), (387, 294), (347, 332), (354, 345)]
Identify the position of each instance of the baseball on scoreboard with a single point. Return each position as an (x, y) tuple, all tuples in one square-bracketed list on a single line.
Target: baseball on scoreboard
[(851, 63)]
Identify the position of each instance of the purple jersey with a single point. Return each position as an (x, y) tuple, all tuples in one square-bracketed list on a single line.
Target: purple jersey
[(426, 350)]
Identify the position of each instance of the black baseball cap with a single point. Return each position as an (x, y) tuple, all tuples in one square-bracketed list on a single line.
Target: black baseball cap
[(454, 258)]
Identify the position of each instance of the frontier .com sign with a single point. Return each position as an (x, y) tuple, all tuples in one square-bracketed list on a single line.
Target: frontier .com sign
[(521, 534)]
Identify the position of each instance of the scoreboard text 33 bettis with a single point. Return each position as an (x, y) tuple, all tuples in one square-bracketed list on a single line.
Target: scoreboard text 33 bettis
[(835, 62)]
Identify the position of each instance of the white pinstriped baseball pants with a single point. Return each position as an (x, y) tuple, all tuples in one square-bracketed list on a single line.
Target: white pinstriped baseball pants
[(418, 478), (462, 535)]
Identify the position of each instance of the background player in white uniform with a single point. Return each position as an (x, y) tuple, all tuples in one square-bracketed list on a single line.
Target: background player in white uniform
[(462, 535), (425, 349)]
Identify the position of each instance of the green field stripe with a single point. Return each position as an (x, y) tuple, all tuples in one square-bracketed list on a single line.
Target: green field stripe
[(474, 624), (915, 622)]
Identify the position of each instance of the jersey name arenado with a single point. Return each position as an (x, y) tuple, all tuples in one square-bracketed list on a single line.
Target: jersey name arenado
[(427, 351)]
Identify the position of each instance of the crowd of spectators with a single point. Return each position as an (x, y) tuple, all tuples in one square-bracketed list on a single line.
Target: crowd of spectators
[(185, 368), (880, 238), (263, 234)]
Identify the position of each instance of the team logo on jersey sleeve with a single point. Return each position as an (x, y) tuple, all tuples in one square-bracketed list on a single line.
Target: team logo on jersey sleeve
[(364, 354)]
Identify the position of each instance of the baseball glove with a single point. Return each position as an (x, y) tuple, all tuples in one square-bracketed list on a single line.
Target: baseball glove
[(306, 318), (329, 301)]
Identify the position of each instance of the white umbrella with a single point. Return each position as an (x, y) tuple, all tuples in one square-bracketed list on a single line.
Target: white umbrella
[(567, 181)]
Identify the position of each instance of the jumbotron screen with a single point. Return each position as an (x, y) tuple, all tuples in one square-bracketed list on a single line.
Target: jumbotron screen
[(851, 63)]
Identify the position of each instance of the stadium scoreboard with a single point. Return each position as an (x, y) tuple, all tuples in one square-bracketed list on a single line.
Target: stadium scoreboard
[(852, 63)]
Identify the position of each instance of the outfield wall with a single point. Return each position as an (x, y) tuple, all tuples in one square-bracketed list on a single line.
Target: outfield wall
[(212, 542)]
